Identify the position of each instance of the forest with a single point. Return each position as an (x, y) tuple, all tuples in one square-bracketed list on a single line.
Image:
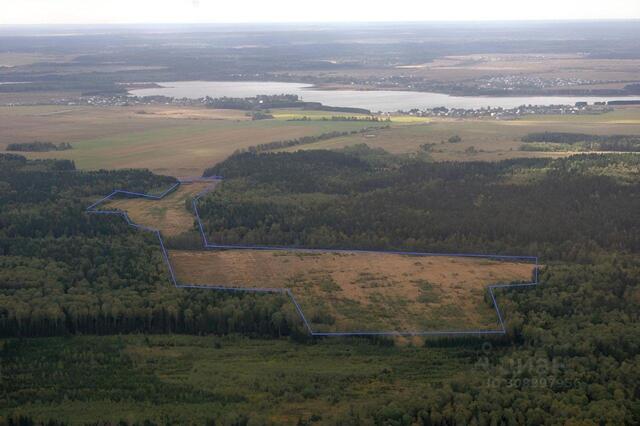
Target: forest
[(581, 141), (263, 102), (304, 140), (38, 146), (565, 209), (124, 347), (66, 272)]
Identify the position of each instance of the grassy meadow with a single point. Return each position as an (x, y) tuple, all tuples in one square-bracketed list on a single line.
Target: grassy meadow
[(484, 140), (183, 141), (341, 292), (167, 140)]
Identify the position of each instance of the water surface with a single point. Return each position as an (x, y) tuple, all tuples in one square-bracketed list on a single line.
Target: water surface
[(374, 100)]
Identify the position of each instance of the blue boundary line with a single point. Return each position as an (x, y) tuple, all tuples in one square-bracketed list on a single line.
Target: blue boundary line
[(207, 245)]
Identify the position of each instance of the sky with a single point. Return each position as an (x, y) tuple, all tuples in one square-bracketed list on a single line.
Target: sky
[(16, 12)]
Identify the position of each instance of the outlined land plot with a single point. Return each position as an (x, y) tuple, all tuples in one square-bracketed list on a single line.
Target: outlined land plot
[(350, 292), (335, 292)]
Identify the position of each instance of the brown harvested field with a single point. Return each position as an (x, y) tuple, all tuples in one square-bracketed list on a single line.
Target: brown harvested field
[(165, 139), (168, 215), (485, 140), (363, 291)]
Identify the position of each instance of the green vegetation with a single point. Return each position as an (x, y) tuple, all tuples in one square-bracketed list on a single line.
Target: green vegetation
[(305, 140), (300, 114), (262, 102), (558, 141), (167, 139), (91, 331), (558, 209), (570, 355), (259, 115), (38, 146), (66, 272), (493, 140), (343, 118), (253, 103)]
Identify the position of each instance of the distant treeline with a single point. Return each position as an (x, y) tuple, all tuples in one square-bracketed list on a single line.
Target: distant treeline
[(305, 140), (259, 115), (262, 102), (626, 143), (86, 83), (319, 107), (37, 146), (251, 103), (635, 90), (373, 118)]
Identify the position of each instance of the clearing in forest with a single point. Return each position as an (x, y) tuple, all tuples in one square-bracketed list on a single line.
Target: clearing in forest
[(358, 291), (338, 291), (169, 215)]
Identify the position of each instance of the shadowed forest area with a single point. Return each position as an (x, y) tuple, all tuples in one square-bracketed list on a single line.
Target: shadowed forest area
[(564, 209)]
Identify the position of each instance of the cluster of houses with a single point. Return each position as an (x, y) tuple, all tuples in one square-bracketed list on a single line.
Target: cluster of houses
[(510, 113), (527, 82)]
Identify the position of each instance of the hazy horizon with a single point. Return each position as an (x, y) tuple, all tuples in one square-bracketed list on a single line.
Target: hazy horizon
[(142, 12), (327, 23)]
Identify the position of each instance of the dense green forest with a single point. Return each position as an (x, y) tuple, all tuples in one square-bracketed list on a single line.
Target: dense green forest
[(565, 209), (263, 102), (559, 141), (64, 271), (305, 140), (38, 146), (572, 358), (93, 333)]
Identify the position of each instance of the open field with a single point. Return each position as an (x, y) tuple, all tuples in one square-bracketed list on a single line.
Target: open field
[(542, 65), (184, 141), (485, 140), (363, 291), (17, 59), (168, 215), (8, 99), (469, 70), (167, 140)]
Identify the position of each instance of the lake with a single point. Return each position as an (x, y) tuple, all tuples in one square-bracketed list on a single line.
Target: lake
[(374, 100)]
